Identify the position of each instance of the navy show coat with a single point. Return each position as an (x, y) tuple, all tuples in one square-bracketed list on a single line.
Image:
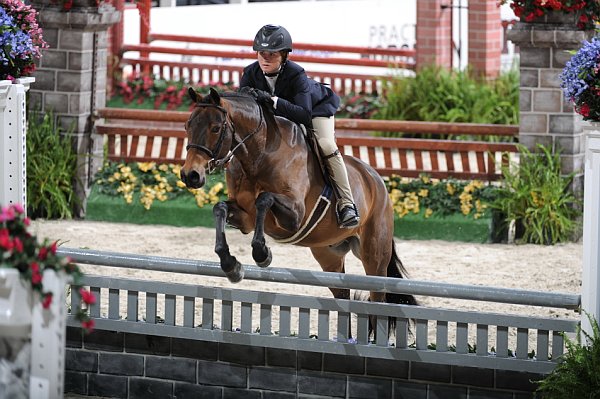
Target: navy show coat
[(299, 98)]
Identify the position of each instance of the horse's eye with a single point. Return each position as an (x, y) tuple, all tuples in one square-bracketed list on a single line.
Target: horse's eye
[(215, 129)]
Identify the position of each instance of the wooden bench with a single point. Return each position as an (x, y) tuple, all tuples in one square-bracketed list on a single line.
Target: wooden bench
[(144, 136)]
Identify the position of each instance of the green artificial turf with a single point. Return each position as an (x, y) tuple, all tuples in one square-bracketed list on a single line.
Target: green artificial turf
[(183, 211), (455, 227)]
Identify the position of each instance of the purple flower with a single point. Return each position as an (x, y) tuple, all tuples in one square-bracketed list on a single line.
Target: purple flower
[(580, 80), (20, 39)]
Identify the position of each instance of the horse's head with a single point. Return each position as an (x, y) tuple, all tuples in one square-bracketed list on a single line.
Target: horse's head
[(209, 134)]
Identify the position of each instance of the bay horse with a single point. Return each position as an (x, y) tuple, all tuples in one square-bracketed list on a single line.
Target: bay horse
[(276, 187)]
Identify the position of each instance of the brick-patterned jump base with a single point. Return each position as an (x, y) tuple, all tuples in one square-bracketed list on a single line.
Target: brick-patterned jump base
[(131, 366)]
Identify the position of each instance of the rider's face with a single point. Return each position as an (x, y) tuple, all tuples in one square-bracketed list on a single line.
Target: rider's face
[(269, 61)]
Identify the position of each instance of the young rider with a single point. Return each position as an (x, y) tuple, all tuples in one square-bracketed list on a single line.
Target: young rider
[(284, 85)]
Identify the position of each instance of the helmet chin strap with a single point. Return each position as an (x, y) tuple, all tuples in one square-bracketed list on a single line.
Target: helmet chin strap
[(272, 74)]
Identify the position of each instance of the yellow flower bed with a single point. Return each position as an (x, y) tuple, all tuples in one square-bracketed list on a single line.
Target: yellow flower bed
[(154, 182), (439, 197)]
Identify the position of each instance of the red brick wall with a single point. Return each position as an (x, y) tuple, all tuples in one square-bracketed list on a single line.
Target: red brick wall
[(434, 34), (485, 37)]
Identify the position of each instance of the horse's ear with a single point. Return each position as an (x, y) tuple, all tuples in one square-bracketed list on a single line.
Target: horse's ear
[(214, 95), (193, 94)]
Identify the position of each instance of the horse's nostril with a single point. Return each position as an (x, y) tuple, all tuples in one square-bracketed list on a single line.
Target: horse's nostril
[(194, 179), (182, 176)]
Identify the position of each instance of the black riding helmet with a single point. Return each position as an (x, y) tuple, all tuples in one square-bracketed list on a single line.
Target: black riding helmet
[(272, 38)]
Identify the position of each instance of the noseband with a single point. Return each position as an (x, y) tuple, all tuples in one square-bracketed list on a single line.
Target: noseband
[(214, 163)]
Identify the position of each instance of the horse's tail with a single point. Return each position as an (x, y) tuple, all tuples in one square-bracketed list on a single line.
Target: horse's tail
[(396, 269)]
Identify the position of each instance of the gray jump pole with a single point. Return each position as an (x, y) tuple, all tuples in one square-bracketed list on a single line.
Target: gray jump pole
[(333, 280)]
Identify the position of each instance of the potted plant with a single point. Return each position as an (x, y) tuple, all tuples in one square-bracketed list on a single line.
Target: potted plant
[(576, 375), (583, 13), (22, 252), (580, 80), (33, 311), (534, 197), (21, 40)]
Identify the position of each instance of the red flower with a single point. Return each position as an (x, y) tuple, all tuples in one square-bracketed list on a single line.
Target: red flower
[(35, 268), (87, 296), (88, 325), (53, 248), (5, 241), (18, 244), (67, 5), (47, 300), (584, 110), (36, 278), (43, 253)]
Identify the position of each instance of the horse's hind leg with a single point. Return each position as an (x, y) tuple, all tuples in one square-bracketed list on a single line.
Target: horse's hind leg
[(230, 265), (332, 259)]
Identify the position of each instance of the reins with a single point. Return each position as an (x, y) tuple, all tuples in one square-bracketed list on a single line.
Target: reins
[(213, 163)]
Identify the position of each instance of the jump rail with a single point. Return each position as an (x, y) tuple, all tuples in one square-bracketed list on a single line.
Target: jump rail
[(205, 73), (119, 310), (162, 139)]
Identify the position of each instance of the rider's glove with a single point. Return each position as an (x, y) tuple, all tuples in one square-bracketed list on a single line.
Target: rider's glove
[(262, 97)]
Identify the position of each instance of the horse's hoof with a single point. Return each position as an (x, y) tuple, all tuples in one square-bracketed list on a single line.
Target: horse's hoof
[(236, 274), (267, 260)]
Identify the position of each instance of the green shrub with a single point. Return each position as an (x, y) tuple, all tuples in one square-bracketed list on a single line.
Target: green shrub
[(538, 196), (51, 169), (577, 374), (435, 94)]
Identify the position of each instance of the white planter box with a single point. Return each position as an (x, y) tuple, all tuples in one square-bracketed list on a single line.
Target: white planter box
[(32, 339)]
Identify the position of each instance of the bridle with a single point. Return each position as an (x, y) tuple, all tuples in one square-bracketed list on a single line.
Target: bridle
[(214, 162)]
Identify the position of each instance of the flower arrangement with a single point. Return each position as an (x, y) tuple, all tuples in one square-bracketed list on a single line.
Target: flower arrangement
[(439, 197), (580, 80), (148, 92), (588, 12), (21, 250), (151, 181), (21, 39), (360, 106)]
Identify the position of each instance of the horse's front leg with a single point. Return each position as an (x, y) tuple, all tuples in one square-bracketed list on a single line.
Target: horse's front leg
[(231, 266), (283, 210)]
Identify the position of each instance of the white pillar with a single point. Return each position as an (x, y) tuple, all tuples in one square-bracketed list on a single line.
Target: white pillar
[(13, 183), (590, 296)]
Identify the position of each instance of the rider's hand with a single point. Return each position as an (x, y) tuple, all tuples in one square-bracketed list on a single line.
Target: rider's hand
[(262, 97)]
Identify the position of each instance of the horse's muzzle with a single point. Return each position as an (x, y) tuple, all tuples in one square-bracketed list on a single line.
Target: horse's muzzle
[(193, 179)]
